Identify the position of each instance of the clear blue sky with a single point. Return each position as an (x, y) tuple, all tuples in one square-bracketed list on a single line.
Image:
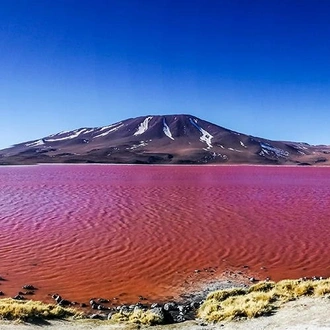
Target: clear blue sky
[(260, 67)]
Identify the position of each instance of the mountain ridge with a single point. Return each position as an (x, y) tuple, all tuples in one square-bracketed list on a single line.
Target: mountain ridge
[(162, 139)]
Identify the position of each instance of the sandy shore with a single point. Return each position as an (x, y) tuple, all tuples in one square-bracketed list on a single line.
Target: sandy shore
[(305, 313)]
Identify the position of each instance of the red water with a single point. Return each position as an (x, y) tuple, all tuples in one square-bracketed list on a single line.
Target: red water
[(124, 231)]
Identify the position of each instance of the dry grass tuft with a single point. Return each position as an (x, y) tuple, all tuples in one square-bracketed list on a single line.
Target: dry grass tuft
[(323, 288), (11, 309), (138, 317), (224, 294), (262, 287), (260, 299)]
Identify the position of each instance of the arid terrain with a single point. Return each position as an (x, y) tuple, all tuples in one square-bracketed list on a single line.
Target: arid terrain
[(169, 139)]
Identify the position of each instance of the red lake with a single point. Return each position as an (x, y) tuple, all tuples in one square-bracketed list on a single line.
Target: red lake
[(123, 231)]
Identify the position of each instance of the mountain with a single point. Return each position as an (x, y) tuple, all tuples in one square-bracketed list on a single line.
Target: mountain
[(169, 139)]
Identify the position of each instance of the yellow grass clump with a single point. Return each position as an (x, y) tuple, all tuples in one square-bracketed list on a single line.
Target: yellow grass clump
[(138, 317), (11, 309), (260, 299)]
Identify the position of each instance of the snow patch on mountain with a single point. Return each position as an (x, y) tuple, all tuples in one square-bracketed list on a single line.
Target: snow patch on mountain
[(35, 143), (109, 131), (141, 144), (109, 126), (60, 133), (143, 126), (167, 130), (89, 131), (75, 133), (232, 149), (266, 148), (206, 136)]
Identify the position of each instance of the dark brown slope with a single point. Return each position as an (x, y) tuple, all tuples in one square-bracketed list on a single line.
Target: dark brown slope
[(171, 139)]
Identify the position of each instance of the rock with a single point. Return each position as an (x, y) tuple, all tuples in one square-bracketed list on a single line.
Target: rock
[(159, 312), (194, 305), (109, 316), (317, 278), (29, 287), (124, 309), (83, 305), (103, 301), (1, 293), (98, 316), (170, 306), (137, 308), (60, 301), (180, 318), (19, 297), (102, 307), (94, 316), (95, 306), (57, 297), (183, 309), (174, 317), (64, 303), (154, 305)]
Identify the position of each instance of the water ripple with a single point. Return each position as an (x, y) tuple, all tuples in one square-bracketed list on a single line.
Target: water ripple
[(127, 230)]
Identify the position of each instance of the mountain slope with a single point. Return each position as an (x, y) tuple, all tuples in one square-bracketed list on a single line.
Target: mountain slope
[(172, 139)]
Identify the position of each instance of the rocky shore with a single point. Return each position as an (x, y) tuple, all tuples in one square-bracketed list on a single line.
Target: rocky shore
[(188, 308), (178, 310), (169, 312), (306, 313)]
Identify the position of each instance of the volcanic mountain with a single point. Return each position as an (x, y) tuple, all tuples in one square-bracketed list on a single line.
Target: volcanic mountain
[(168, 139)]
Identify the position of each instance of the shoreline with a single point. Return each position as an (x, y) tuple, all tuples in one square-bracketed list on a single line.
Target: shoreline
[(304, 311), (183, 305), (170, 165), (193, 286), (193, 292)]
